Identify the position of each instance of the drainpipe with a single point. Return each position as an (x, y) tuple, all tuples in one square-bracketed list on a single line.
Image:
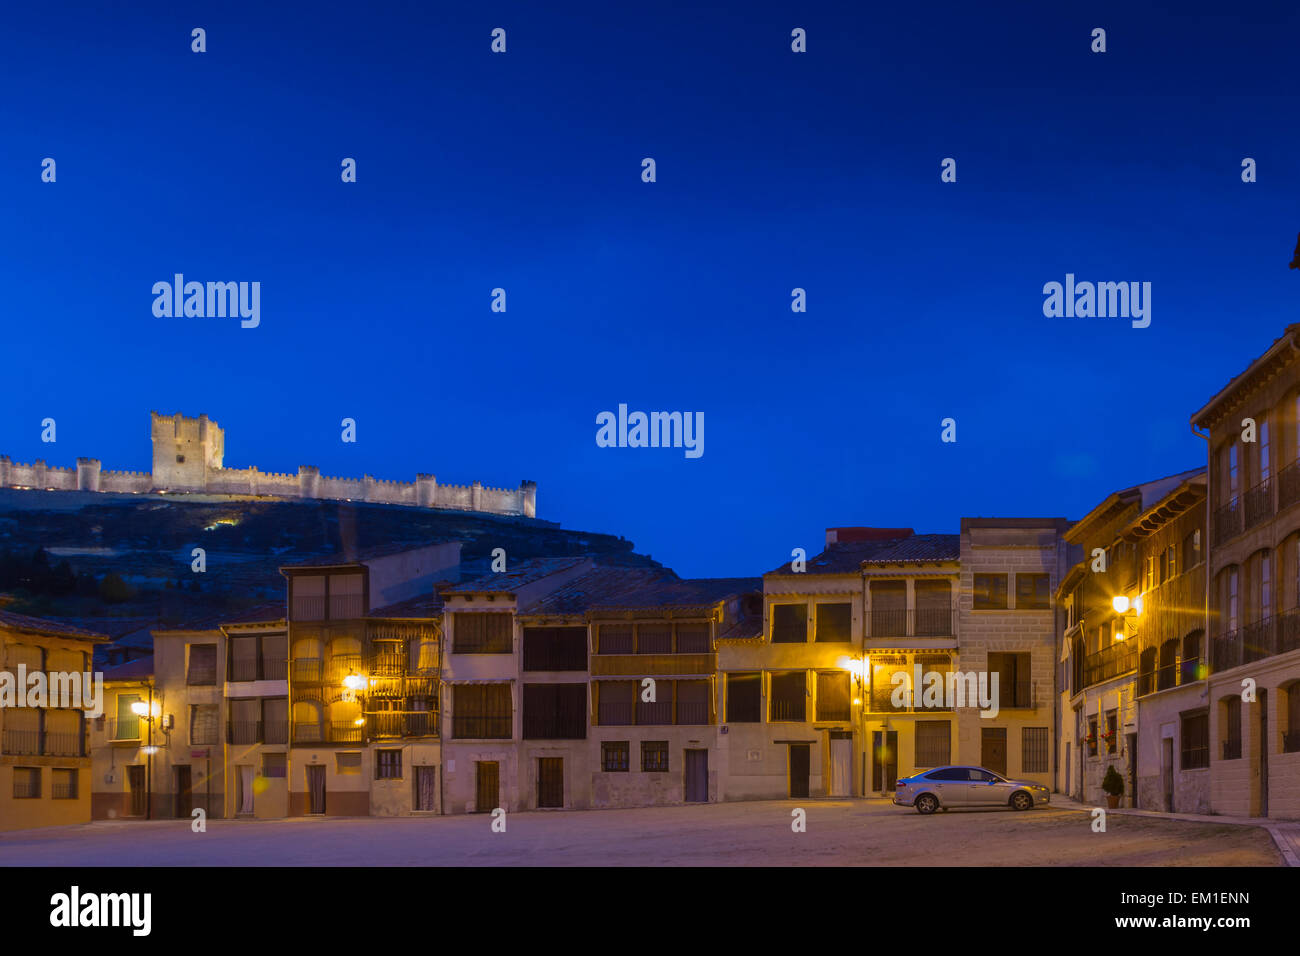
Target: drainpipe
[(1209, 515)]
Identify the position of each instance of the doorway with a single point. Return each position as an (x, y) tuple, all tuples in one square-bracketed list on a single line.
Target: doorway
[(181, 786), (993, 749), (841, 763), (487, 777), (246, 788), (550, 781), (1132, 742), (1167, 771), (800, 769), (697, 776), (1263, 753), (425, 788), (884, 761), (315, 789), (135, 780)]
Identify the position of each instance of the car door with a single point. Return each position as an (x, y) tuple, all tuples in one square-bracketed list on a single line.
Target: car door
[(948, 785), (986, 789)]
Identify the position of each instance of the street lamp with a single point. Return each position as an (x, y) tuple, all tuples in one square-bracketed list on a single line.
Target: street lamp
[(149, 712)]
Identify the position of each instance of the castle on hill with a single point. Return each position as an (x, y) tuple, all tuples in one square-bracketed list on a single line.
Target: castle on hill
[(188, 456)]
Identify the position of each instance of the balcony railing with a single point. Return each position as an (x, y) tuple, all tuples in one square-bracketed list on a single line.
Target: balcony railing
[(346, 732), (692, 712), (275, 732), (792, 710), (34, 743), (274, 668), (1288, 485), (1232, 749), (341, 665), (1173, 673), (308, 669), (1256, 641), (654, 712), (309, 608), (396, 723), (616, 713), (307, 733), (839, 712), (919, 622), (1109, 663), (1258, 504), (1227, 521), (481, 728), (243, 669), (244, 732), (388, 664), (882, 702), (1016, 693)]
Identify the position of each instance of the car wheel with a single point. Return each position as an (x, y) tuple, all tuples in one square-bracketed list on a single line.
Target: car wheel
[(1020, 800), (926, 803)]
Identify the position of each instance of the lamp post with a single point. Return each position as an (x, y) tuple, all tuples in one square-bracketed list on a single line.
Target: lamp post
[(148, 712)]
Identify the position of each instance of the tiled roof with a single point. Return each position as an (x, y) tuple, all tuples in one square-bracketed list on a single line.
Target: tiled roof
[(846, 557), (419, 607), (40, 625), (350, 556), (747, 628), (266, 613), (507, 582), (132, 670), (630, 589)]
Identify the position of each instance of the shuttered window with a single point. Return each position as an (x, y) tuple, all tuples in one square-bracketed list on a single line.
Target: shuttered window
[(744, 698), (481, 711), (834, 623), (933, 743), (555, 711), (203, 724), (203, 664), (789, 623), (489, 633), (1033, 750)]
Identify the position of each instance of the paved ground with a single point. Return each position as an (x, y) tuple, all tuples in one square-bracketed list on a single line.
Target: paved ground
[(731, 834)]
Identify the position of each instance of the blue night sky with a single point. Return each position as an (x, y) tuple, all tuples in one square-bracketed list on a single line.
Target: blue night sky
[(775, 170)]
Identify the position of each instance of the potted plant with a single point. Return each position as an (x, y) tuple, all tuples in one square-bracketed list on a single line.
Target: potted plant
[(1113, 785)]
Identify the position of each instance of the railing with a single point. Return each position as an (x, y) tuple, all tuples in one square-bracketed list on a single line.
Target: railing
[(346, 606), (388, 664), (34, 743), (243, 669), (550, 654), (792, 710), (64, 791), (616, 713), (692, 712), (1258, 503), (256, 668), (308, 669), (1109, 663), (397, 723), (1232, 749), (341, 665), (882, 702), (1256, 641), (244, 732), (309, 608), (693, 642), (346, 732), (654, 712), (307, 733), (275, 732), (481, 728), (1288, 485), (29, 788), (274, 668), (919, 622), (1288, 631), (1227, 521)]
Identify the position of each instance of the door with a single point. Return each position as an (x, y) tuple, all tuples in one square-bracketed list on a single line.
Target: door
[(697, 776), (425, 787), (841, 763), (486, 780), (1132, 740), (246, 788), (182, 789), (993, 749), (1066, 788), (800, 768), (884, 761), (1263, 753), (315, 789), (550, 781), (982, 789), (136, 782), (1167, 771)]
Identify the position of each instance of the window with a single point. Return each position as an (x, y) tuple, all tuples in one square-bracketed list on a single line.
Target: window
[(834, 623), (1232, 728), (482, 633), (1033, 750), (203, 664), (203, 724), (63, 783), (1233, 485), (241, 659), (1112, 731), (1092, 736), (1031, 591), (27, 783), (128, 722), (659, 710), (692, 701), (614, 756), (990, 592), (275, 765), (654, 756), (932, 743), (555, 648), (1265, 459), (1015, 688), (1265, 586), (789, 696), (1291, 729), (347, 764), (693, 639), (1195, 740), (833, 697), (275, 720), (615, 639), (654, 639), (555, 711), (744, 698), (1171, 559), (789, 623), (482, 711), (616, 702), (388, 764), (1162, 571), (1232, 599), (245, 721), (950, 773), (1192, 549)]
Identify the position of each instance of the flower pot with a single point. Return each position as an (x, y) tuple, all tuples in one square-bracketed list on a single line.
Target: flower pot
[(1112, 801)]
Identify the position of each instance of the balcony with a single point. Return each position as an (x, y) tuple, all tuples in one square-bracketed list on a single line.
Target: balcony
[(1109, 663), (693, 712), (341, 665), (1288, 485), (307, 733), (657, 665), (309, 670), (388, 664), (346, 732), (882, 702), (789, 710), (345, 607), (616, 713), (1174, 673), (244, 732), (253, 668), (475, 727), (402, 723), (1227, 522), (34, 743), (1253, 642), (1258, 504), (309, 608), (920, 622)]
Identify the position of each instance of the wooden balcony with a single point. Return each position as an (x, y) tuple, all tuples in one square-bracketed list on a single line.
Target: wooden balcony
[(644, 665)]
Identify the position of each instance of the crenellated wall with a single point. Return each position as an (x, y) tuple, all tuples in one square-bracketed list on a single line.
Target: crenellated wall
[(188, 455)]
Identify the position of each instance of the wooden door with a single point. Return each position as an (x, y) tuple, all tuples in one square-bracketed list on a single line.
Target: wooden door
[(486, 786), (841, 763), (884, 761), (426, 788), (993, 749), (550, 781), (135, 779), (316, 789), (182, 789), (1167, 771), (697, 776), (800, 769)]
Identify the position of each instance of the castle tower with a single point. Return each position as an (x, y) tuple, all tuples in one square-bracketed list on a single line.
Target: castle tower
[(186, 451)]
